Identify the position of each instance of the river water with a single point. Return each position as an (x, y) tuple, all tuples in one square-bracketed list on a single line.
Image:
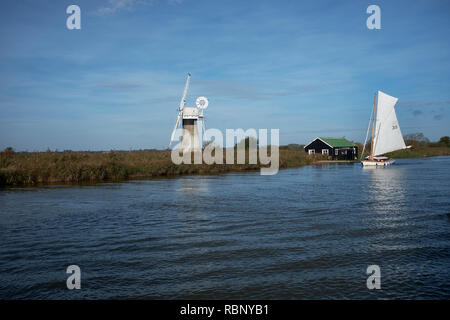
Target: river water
[(305, 233)]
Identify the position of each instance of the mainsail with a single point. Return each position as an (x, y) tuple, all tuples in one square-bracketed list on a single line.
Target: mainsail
[(388, 136)]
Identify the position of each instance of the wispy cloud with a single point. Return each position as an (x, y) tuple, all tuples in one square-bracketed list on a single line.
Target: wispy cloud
[(423, 103), (254, 91), (114, 6)]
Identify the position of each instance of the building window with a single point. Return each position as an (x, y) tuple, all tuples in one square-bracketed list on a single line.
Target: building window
[(311, 151), (325, 151), (336, 152)]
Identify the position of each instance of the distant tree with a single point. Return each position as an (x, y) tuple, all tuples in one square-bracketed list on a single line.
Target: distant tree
[(295, 146), (360, 148), (246, 142), (9, 150), (445, 140), (416, 139)]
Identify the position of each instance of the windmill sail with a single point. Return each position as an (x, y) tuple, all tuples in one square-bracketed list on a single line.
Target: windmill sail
[(388, 136), (180, 109)]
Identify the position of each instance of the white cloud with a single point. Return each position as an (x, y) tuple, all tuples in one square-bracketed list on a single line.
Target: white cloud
[(118, 5), (114, 6)]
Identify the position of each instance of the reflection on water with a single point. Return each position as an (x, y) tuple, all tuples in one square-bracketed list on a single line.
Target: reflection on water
[(193, 185), (387, 189), (309, 232)]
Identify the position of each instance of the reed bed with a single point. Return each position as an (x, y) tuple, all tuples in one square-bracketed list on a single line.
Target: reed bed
[(34, 168)]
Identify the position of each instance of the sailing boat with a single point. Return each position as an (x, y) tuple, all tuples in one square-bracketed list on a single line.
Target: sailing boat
[(386, 133)]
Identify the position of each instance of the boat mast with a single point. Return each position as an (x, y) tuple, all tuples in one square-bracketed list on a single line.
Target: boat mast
[(373, 121)]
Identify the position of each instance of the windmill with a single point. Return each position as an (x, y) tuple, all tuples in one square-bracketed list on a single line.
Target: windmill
[(188, 117)]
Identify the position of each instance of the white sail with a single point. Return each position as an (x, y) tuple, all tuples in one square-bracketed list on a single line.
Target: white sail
[(388, 136)]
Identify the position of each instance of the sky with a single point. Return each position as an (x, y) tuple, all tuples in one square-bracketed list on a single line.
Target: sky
[(308, 68)]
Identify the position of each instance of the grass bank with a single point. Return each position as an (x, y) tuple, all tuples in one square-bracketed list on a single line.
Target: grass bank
[(420, 152), (33, 168)]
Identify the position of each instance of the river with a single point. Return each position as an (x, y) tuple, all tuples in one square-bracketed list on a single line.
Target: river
[(305, 233)]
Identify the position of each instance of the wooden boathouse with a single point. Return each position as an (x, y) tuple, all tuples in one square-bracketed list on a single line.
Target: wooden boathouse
[(335, 148)]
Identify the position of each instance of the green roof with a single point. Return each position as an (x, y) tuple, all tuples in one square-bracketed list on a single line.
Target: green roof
[(337, 142)]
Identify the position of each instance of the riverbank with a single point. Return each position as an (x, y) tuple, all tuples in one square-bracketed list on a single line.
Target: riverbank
[(35, 168), (335, 161), (420, 152)]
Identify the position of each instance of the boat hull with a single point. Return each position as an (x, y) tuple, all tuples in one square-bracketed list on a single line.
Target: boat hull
[(375, 163)]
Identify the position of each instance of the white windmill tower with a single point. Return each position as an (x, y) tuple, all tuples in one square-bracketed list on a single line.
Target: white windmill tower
[(189, 116)]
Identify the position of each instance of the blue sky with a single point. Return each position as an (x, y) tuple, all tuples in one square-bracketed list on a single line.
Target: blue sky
[(309, 68)]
